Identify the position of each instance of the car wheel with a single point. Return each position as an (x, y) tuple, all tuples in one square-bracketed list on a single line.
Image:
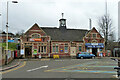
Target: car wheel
[(81, 57), (93, 57)]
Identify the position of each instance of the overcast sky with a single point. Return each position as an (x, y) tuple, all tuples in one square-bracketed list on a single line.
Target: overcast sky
[(48, 12)]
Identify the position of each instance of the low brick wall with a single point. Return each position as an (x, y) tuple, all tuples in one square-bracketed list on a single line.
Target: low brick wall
[(2, 61)]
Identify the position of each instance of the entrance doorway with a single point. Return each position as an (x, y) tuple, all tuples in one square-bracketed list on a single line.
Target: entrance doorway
[(73, 51), (28, 52), (94, 51)]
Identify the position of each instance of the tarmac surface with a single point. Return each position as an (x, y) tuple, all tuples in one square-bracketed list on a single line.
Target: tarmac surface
[(63, 68)]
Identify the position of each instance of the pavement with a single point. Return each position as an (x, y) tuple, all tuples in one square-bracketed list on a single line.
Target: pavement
[(12, 64), (16, 63)]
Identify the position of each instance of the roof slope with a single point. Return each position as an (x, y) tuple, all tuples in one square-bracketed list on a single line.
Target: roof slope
[(67, 35)]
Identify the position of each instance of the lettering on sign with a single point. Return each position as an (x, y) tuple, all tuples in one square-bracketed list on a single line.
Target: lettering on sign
[(37, 39), (94, 43)]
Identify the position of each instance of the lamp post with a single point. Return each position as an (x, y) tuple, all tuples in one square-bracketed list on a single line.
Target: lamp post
[(7, 31)]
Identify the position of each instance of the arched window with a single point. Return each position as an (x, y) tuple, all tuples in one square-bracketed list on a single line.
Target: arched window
[(36, 35), (94, 41)]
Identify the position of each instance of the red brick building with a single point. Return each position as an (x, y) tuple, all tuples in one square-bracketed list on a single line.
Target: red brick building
[(47, 41), (3, 36)]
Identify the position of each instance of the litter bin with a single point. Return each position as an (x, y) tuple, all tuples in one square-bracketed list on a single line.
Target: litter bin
[(56, 56)]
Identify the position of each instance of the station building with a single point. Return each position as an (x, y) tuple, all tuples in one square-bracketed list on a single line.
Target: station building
[(48, 41)]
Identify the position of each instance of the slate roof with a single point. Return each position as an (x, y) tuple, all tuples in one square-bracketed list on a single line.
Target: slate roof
[(4, 34), (65, 35)]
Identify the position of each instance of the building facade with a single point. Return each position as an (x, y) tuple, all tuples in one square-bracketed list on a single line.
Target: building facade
[(48, 41), (94, 42), (3, 37)]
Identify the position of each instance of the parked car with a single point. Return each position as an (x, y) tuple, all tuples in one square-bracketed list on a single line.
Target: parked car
[(85, 55)]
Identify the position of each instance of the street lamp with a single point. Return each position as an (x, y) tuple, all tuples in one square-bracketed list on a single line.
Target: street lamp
[(7, 31)]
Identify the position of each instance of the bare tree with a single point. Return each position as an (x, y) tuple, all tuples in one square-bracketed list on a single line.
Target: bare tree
[(19, 33), (105, 27)]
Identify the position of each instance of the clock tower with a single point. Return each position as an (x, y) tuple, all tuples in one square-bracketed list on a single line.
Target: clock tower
[(62, 22)]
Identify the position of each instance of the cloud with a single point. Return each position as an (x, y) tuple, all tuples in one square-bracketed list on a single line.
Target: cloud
[(48, 12)]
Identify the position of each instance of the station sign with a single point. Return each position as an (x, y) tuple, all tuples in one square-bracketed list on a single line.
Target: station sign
[(10, 40), (94, 45), (36, 39), (22, 51)]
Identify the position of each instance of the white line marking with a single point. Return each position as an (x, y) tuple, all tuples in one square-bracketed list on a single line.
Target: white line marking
[(37, 68), (59, 60)]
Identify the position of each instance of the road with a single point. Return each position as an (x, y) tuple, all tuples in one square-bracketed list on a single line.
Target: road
[(64, 68)]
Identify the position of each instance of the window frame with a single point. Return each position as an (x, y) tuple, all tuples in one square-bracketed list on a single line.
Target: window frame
[(40, 50), (34, 35), (79, 48), (94, 34), (56, 47), (65, 49)]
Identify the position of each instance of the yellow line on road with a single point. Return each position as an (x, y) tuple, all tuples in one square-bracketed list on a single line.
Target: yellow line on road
[(60, 68), (14, 68), (45, 59)]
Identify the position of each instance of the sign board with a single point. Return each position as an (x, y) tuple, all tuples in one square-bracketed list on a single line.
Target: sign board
[(61, 50), (35, 52), (12, 54), (37, 39), (22, 51), (40, 56), (9, 54), (94, 45), (10, 40)]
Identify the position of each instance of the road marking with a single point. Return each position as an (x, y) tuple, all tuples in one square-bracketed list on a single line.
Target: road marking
[(59, 60), (37, 68), (88, 71), (14, 68), (67, 67), (60, 68), (102, 66), (45, 59), (83, 67)]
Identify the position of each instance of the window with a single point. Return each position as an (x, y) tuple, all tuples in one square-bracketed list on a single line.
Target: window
[(100, 49), (66, 49), (35, 35), (43, 39), (55, 49), (94, 35), (80, 48), (39, 49), (42, 49), (45, 49)]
